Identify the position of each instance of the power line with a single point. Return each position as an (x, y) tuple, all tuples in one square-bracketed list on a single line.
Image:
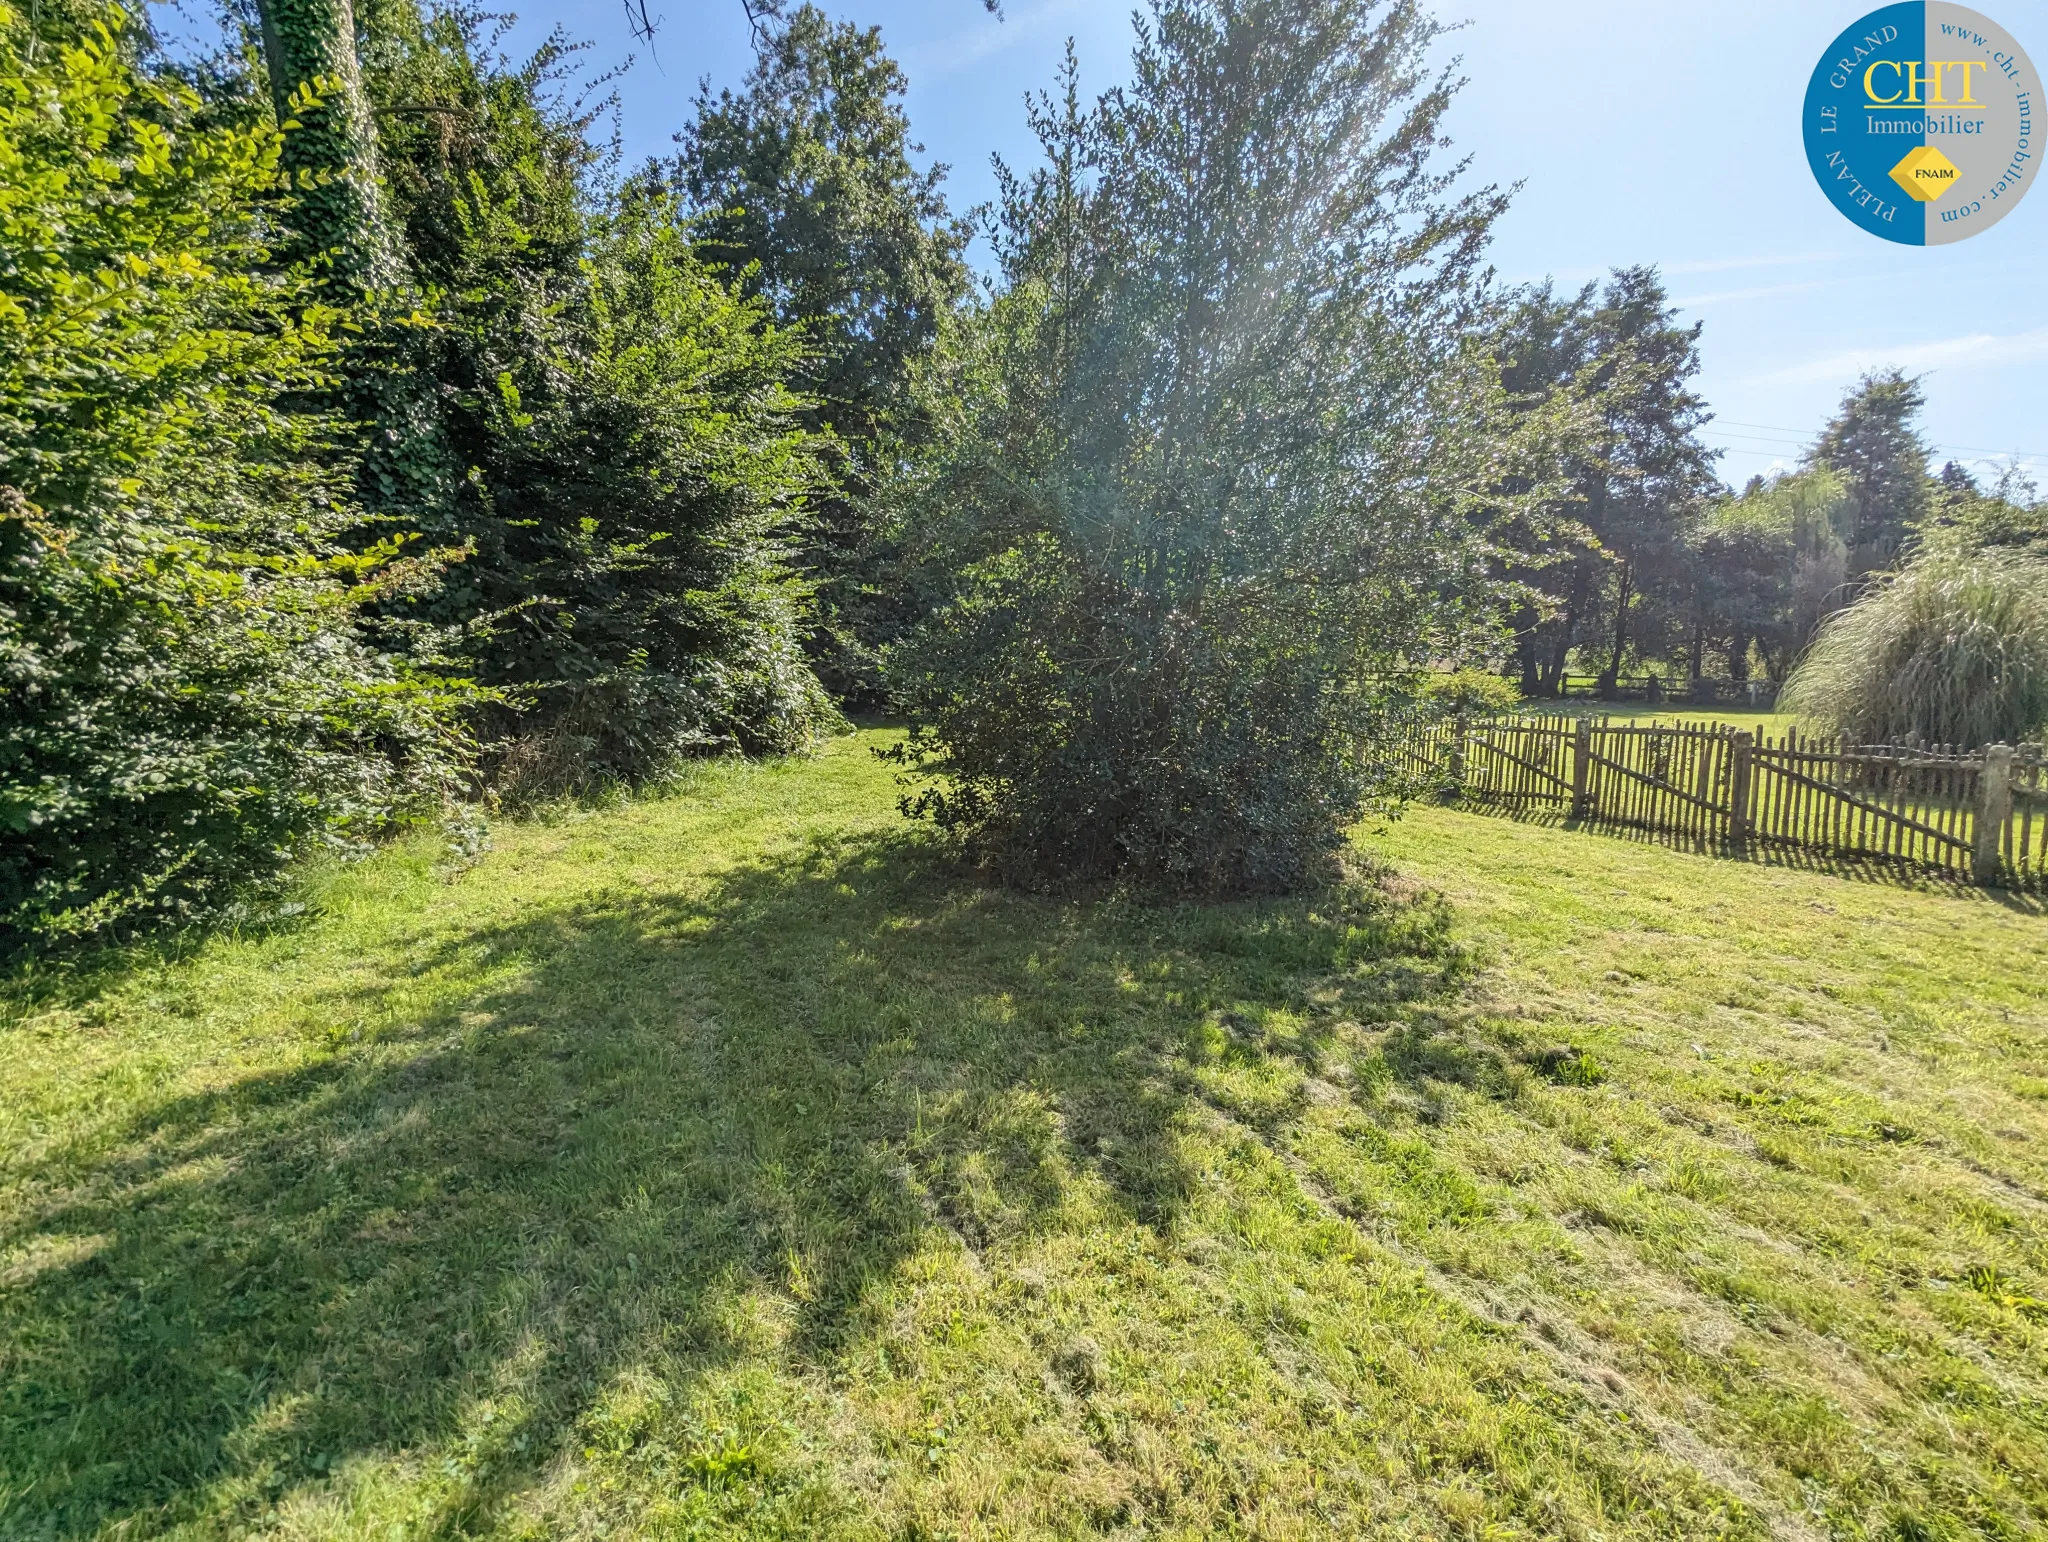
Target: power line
[(1800, 445), (1790, 444), (1801, 437)]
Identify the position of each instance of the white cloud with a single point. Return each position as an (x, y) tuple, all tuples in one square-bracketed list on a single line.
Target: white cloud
[(1976, 350), (1720, 296), (1727, 264)]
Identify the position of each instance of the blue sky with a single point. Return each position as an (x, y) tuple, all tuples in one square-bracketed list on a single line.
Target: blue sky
[(1642, 131)]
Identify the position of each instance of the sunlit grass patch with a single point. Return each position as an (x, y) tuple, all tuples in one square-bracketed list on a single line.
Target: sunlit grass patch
[(733, 1164)]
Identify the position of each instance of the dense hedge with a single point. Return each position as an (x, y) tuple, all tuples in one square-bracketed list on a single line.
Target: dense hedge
[(638, 475), (189, 698)]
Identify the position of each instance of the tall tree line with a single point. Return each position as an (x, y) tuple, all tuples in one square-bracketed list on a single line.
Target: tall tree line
[(1634, 496), (1660, 566)]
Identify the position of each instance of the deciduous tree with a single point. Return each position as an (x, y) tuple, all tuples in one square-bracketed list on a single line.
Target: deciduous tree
[(804, 183), (1216, 461), (189, 694)]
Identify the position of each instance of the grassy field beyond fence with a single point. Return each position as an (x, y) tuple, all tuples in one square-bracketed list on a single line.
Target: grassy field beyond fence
[(1762, 721), (1980, 815), (731, 1165)]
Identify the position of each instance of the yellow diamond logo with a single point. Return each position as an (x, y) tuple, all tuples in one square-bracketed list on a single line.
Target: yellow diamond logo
[(1925, 173)]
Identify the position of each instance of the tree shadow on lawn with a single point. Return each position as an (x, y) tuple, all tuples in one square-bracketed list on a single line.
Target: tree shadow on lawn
[(617, 1129)]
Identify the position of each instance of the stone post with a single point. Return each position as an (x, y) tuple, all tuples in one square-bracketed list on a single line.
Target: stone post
[(1994, 812)]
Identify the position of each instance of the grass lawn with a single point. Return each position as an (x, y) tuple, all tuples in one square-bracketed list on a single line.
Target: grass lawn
[(729, 1165), (1759, 723)]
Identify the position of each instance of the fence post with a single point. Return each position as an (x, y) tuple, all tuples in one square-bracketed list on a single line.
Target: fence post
[(1994, 811), (1740, 744), (1458, 732), (1582, 765)]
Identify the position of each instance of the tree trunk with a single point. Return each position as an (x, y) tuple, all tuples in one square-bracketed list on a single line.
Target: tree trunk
[(341, 229), (1611, 676), (330, 149), (1567, 629), (1526, 622), (1560, 658)]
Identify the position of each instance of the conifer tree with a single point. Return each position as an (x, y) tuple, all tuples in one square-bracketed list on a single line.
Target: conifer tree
[(1874, 443), (1637, 495)]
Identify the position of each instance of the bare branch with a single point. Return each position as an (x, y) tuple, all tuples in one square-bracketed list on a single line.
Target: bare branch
[(639, 22)]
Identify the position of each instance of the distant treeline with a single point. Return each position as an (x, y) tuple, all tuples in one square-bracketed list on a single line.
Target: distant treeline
[(1665, 569)]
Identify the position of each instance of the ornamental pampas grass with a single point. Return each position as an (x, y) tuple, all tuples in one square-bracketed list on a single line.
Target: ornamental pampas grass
[(1951, 650)]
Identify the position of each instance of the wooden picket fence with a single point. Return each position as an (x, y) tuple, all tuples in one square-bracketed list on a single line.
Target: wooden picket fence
[(1977, 815)]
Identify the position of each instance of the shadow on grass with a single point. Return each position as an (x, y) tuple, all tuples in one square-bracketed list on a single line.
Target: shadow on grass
[(1761, 853), (543, 1153)]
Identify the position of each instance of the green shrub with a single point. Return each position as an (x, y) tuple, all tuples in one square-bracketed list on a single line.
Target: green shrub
[(639, 489), (1471, 692), (188, 697), (642, 478), (1953, 649), (1204, 460)]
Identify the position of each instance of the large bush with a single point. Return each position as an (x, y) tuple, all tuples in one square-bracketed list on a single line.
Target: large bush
[(1953, 649), (186, 697), (639, 486), (1209, 460), (639, 475)]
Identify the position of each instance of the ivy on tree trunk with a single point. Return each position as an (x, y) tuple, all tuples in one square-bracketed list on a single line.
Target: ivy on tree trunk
[(342, 231), (330, 143)]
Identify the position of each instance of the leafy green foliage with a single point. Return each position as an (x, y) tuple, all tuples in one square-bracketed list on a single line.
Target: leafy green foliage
[(450, 114), (1637, 492), (803, 184), (639, 472), (1874, 445), (188, 697), (2010, 516), (1953, 649), (1216, 462), (1767, 567), (1470, 691), (640, 480)]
